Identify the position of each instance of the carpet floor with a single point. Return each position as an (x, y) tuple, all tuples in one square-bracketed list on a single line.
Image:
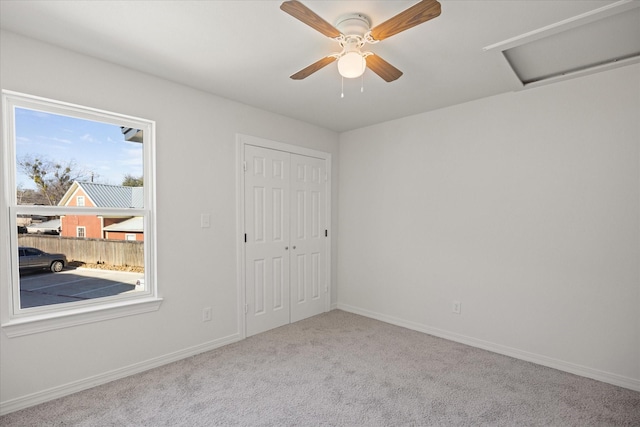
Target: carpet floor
[(341, 369)]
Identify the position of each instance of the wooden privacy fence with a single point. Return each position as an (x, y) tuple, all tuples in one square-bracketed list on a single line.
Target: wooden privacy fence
[(113, 252)]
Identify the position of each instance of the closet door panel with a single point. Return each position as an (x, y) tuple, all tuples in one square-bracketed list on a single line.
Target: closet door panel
[(308, 223), (267, 223)]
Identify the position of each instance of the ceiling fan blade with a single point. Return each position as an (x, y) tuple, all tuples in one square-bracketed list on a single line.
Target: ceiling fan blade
[(415, 15), (382, 68), (309, 17), (307, 71)]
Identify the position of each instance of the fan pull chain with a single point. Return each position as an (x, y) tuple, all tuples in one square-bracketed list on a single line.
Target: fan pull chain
[(342, 86)]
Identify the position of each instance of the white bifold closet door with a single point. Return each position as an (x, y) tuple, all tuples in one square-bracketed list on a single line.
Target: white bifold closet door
[(285, 223)]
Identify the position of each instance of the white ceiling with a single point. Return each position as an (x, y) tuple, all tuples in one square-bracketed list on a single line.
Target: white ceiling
[(246, 50)]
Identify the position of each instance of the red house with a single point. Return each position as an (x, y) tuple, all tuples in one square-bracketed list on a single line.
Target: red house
[(90, 194)]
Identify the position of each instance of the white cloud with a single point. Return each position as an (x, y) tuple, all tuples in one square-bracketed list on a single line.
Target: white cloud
[(65, 141), (87, 137)]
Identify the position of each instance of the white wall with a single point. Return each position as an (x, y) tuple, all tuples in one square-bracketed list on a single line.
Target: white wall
[(524, 207), (195, 174)]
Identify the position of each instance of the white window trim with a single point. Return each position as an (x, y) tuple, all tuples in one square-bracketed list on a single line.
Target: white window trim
[(79, 200), (84, 231), (15, 321), (80, 316)]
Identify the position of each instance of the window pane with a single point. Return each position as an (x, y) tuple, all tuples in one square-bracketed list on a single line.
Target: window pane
[(68, 161), (80, 187), (55, 269)]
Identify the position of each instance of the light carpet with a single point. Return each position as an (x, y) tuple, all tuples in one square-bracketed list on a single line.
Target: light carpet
[(341, 369)]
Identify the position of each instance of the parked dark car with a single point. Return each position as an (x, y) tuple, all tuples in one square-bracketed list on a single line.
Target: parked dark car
[(32, 258)]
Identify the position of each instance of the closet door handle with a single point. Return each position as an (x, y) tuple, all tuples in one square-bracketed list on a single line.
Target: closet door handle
[(294, 247), (286, 248)]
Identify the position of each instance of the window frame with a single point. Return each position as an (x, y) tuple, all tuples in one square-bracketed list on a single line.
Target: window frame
[(17, 321), (84, 231)]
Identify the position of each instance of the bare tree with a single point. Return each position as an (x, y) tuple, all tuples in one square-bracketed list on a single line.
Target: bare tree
[(52, 178), (27, 196)]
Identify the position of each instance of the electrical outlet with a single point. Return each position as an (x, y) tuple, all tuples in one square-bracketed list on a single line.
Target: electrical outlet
[(456, 307), (205, 220), (206, 314)]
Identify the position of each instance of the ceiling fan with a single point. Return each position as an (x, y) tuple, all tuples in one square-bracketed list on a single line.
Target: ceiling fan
[(353, 31)]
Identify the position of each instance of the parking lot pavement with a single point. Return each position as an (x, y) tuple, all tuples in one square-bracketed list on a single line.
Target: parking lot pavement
[(40, 288)]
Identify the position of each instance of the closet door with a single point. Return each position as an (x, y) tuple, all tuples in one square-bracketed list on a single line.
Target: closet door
[(267, 251), (308, 223), (285, 246)]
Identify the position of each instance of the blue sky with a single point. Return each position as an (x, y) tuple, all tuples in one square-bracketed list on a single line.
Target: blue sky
[(93, 146)]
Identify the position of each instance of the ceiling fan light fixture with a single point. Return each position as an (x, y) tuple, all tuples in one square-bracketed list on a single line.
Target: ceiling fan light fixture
[(352, 65), (353, 31)]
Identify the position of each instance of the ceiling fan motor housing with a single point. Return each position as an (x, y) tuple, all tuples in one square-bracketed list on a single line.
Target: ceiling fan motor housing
[(353, 24)]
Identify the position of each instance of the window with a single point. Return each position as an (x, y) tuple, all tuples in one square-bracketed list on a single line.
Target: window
[(73, 171)]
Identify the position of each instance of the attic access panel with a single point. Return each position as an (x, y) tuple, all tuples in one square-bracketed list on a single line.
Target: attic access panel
[(605, 38)]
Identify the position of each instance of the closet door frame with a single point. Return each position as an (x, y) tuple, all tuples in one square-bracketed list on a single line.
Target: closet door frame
[(241, 141)]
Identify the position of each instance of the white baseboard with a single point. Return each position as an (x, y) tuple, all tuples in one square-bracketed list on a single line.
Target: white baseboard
[(86, 383), (584, 371)]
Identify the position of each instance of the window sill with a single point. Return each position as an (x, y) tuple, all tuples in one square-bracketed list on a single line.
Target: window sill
[(69, 318)]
